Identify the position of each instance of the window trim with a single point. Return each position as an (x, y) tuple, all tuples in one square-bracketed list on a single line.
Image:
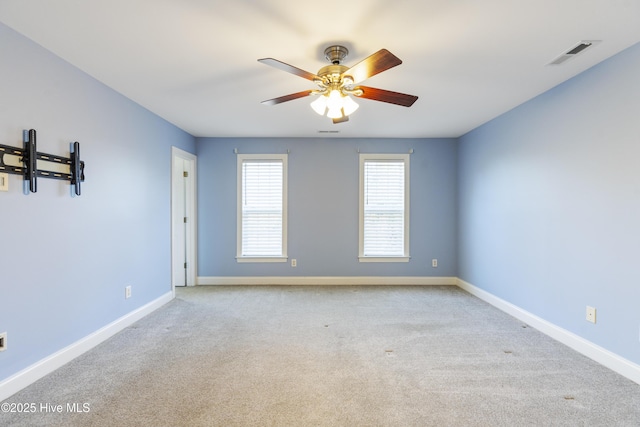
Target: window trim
[(363, 158), (240, 159)]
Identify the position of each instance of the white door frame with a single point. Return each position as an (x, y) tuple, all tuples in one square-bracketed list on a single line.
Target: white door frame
[(191, 214)]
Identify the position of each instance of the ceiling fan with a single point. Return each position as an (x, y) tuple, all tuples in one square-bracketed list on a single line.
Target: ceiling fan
[(336, 82)]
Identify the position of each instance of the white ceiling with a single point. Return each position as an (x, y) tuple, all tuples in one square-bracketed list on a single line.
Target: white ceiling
[(194, 62)]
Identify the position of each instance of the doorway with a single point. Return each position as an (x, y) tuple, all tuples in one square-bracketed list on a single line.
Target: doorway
[(183, 218)]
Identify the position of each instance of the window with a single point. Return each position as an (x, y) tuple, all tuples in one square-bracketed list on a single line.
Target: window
[(384, 208), (262, 208)]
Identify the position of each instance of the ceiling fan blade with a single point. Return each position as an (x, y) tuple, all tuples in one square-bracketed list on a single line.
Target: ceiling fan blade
[(340, 120), (380, 61), (289, 68), (286, 98), (387, 96)]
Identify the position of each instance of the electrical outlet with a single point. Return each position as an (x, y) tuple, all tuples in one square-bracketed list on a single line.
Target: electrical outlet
[(434, 263), (294, 262), (3, 341), (127, 292), (4, 181), (591, 314)]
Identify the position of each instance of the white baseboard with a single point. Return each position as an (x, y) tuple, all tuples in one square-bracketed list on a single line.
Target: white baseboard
[(31, 374), (599, 354), (326, 280)]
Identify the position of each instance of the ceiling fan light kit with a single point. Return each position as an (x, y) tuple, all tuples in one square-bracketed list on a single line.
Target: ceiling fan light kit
[(337, 82), (335, 104)]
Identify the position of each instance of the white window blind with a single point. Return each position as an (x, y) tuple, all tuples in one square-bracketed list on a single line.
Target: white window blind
[(262, 207), (384, 207)]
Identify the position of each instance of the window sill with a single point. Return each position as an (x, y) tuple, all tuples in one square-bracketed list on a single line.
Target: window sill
[(261, 259), (384, 259)]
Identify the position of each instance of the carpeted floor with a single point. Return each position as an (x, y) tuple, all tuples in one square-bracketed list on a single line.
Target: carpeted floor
[(330, 356)]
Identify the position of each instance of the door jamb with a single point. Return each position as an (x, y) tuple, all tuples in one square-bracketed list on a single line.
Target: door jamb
[(192, 257)]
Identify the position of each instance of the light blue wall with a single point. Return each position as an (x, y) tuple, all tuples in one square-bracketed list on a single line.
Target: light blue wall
[(323, 206), (549, 205), (64, 261)]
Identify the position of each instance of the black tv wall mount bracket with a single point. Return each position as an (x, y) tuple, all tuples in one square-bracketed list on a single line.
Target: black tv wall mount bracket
[(29, 158)]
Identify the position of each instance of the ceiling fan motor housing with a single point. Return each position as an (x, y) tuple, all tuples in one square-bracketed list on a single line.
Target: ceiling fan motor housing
[(336, 54), (332, 72)]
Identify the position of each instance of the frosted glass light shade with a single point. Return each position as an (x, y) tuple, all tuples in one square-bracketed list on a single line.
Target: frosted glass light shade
[(320, 105), (349, 105), (334, 113), (335, 100), (334, 104)]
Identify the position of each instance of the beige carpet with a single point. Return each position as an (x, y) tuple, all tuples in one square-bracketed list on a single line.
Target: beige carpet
[(330, 356)]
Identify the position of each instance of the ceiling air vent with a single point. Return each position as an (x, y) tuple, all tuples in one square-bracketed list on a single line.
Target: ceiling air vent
[(575, 50)]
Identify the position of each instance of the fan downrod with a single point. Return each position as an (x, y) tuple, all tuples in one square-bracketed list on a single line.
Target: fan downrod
[(336, 54)]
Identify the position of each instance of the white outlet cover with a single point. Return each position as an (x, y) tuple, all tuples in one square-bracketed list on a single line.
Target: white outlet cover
[(4, 181)]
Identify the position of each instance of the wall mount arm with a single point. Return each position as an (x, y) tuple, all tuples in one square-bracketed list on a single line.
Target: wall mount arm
[(29, 157)]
